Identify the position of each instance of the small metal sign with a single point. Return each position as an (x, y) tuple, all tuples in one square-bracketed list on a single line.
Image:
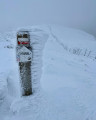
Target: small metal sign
[(24, 54), (23, 38)]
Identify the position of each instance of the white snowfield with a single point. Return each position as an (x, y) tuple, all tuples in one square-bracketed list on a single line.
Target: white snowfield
[(63, 76)]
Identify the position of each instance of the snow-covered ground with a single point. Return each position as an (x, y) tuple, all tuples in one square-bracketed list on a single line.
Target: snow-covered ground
[(63, 76)]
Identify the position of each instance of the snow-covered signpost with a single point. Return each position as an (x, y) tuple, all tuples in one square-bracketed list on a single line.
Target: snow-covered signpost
[(24, 58)]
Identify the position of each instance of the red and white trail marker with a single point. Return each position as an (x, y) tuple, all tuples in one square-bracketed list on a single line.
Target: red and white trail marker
[(24, 58)]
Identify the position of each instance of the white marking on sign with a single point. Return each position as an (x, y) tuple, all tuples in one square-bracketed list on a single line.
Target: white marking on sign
[(23, 39), (24, 54)]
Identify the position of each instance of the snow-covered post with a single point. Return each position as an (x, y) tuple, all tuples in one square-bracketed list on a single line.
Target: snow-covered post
[(24, 58)]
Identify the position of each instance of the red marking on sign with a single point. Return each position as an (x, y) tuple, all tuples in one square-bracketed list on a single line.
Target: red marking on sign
[(18, 43), (25, 42), (22, 43)]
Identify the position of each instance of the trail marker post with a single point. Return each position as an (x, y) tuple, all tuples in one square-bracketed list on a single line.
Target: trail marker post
[(24, 58)]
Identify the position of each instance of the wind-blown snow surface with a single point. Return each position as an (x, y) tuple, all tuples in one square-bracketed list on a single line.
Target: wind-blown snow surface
[(63, 76)]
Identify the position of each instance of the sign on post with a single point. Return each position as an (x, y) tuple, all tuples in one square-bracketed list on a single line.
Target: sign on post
[(24, 58), (24, 54)]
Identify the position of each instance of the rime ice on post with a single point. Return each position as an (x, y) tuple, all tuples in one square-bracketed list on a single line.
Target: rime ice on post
[(24, 58)]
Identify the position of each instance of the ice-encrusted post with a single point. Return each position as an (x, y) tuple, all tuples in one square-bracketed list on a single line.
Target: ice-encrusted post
[(24, 58)]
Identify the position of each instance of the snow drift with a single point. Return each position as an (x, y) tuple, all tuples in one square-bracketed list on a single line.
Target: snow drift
[(63, 76)]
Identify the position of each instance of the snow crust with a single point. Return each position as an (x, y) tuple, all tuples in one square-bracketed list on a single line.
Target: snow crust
[(63, 76)]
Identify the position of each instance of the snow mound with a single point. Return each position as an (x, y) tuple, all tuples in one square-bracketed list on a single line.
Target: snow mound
[(63, 76)]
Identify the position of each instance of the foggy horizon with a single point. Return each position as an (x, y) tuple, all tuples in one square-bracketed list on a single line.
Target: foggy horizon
[(78, 14)]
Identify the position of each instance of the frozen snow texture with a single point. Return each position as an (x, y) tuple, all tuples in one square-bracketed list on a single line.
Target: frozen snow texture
[(68, 78), (63, 82)]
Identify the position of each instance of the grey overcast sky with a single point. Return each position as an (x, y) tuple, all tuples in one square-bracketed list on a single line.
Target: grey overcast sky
[(69, 13)]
